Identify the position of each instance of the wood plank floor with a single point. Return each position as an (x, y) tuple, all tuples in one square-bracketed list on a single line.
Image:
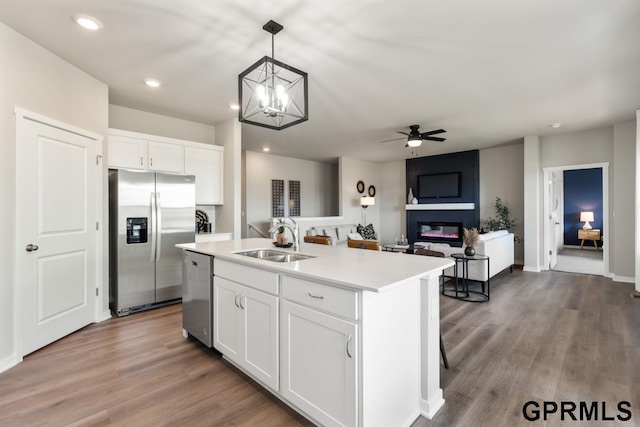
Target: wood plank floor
[(548, 336)]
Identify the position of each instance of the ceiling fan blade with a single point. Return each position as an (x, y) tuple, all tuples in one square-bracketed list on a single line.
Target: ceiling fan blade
[(433, 132), (404, 133), (389, 140), (433, 138)]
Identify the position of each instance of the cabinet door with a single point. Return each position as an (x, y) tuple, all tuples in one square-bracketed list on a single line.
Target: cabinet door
[(227, 318), (125, 152), (319, 364), (166, 157), (206, 165), (260, 316)]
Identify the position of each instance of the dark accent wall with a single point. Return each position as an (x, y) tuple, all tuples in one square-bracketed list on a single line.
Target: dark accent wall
[(582, 192), (467, 163)]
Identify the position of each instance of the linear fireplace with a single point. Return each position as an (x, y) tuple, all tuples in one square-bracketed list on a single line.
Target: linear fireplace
[(439, 232)]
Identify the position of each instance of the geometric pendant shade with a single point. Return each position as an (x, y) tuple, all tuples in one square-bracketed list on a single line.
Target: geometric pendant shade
[(273, 94)]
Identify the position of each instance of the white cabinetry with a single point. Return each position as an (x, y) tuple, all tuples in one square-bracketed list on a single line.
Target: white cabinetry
[(126, 152), (132, 150), (166, 157), (206, 163), (319, 364), (246, 323)]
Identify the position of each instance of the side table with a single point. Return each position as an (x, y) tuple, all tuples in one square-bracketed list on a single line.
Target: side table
[(461, 279), (396, 247)]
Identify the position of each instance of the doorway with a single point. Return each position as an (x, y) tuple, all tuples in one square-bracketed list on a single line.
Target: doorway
[(570, 191)]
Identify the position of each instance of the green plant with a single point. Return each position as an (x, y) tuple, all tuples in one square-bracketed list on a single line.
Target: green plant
[(502, 221), (280, 229)]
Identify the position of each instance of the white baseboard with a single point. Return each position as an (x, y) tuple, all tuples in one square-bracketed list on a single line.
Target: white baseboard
[(531, 269), (623, 279), (428, 408), (106, 315), (9, 362)]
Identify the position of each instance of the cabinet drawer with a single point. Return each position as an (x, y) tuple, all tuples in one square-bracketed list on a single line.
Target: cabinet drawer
[(323, 297), (589, 234), (265, 281)]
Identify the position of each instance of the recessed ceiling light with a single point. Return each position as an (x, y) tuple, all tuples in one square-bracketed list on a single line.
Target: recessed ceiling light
[(86, 21), (234, 106), (265, 149), (555, 125), (152, 82)]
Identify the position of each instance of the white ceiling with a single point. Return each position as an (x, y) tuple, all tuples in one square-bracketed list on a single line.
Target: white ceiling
[(489, 72)]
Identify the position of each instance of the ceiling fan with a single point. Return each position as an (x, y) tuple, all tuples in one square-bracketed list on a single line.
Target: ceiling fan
[(415, 138)]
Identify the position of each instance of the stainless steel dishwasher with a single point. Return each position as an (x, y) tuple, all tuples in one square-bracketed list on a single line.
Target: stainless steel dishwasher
[(197, 296)]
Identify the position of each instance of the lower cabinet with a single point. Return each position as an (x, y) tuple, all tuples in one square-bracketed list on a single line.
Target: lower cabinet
[(246, 329), (319, 355)]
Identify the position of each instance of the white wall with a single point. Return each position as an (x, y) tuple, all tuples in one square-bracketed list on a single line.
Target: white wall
[(501, 176), (352, 171), (621, 256), (34, 79), (577, 148), (318, 187), (156, 124), (393, 198), (532, 204), (229, 215)]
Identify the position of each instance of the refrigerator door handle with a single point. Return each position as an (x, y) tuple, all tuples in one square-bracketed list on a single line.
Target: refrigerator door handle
[(158, 227), (154, 228)]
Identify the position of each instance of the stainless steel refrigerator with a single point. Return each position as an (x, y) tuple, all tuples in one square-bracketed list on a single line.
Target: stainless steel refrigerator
[(149, 213)]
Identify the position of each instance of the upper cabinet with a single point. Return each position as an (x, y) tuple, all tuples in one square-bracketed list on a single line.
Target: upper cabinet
[(132, 150), (127, 153), (206, 164), (166, 157)]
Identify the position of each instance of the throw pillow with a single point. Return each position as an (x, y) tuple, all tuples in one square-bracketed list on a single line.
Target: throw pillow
[(331, 232), (367, 232)]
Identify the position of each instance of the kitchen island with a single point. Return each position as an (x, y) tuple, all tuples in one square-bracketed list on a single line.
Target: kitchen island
[(346, 336)]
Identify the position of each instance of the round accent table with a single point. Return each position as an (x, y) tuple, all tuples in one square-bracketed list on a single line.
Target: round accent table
[(396, 247), (460, 289)]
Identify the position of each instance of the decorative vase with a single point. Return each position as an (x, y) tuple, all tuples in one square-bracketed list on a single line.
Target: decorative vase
[(279, 238), (414, 201), (469, 251), (410, 197)]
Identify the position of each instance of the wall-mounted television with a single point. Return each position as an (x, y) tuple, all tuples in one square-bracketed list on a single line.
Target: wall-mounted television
[(439, 185)]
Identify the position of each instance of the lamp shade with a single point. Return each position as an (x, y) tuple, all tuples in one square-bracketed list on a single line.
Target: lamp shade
[(586, 216), (367, 201)]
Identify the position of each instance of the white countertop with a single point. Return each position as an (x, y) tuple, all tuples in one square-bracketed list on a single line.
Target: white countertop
[(368, 270)]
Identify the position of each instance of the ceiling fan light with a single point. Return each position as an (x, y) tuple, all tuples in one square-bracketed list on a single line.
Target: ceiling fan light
[(414, 142)]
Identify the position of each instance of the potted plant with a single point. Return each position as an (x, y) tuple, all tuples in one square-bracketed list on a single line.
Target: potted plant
[(503, 220), (470, 238), (280, 235)]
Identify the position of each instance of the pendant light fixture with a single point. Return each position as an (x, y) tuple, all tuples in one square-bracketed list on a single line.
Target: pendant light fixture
[(273, 94)]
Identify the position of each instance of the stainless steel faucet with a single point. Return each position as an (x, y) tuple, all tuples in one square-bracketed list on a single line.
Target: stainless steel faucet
[(295, 230)]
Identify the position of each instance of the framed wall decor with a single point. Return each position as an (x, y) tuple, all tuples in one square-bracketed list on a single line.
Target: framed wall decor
[(360, 187), (294, 198), (372, 191), (277, 198)]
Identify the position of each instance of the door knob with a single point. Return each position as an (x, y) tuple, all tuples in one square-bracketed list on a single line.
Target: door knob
[(30, 247)]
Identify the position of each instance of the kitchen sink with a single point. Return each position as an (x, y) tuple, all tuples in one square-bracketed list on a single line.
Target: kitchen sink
[(275, 256)]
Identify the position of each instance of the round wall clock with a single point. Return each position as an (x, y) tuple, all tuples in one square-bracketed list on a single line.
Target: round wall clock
[(360, 187), (372, 191)]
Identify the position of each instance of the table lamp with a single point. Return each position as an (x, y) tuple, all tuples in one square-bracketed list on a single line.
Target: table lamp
[(586, 217)]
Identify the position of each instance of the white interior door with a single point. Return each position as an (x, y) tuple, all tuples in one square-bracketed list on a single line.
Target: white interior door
[(554, 220), (56, 176)]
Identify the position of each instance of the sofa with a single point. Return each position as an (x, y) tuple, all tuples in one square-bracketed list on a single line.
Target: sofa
[(339, 234), (497, 245)]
